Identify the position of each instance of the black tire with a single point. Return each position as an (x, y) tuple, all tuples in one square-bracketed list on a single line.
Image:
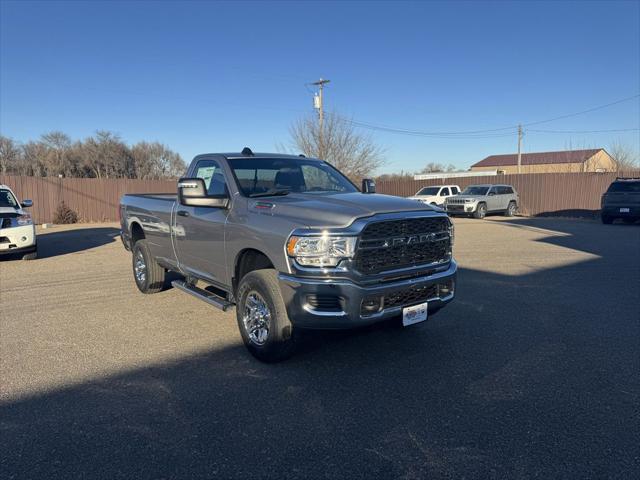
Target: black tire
[(511, 209), (150, 276), (607, 220), (481, 211), (31, 255), (259, 289)]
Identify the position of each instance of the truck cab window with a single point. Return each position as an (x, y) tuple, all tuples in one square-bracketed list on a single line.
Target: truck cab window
[(211, 173)]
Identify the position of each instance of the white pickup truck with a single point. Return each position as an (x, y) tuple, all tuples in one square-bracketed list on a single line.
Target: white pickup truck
[(17, 231), (436, 195)]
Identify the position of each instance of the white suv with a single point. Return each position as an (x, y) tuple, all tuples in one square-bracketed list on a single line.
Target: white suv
[(436, 195), (17, 231)]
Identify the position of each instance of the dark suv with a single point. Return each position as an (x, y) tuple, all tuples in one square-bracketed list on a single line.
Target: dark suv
[(621, 200)]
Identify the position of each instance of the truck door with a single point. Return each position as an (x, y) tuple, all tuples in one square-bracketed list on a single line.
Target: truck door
[(199, 231)]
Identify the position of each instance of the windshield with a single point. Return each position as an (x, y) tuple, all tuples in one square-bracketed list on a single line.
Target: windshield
[(625, 187), (257, 176), (428, 191), (475, 190), (7, 199)]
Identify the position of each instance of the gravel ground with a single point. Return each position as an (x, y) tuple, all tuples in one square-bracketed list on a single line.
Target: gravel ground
[(532, 372)]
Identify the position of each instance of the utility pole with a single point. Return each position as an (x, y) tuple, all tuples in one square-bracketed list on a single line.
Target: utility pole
[(318, 103), (519, 148)]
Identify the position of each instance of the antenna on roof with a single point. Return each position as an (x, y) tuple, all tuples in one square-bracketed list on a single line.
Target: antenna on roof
[(247, 151)]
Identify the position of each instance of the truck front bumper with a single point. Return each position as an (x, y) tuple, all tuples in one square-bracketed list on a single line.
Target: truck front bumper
[(17, 239), (336, 304)]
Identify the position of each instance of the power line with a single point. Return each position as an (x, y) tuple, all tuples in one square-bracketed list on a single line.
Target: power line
[(585, 131), (464, 133)]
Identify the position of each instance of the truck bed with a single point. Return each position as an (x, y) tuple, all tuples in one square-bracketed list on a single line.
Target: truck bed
[(156, 196)]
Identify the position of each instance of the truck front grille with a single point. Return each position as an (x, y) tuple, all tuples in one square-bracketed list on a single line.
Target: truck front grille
[(397, 244), (408, 296)]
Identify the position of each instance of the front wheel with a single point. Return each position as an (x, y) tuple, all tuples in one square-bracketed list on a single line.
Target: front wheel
[(31, 255), (481, 211), (262, 317)]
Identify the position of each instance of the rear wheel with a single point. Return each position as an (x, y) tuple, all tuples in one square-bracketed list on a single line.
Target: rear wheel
[(262, 317), (511, 209), (149, 276), (607, 220), (481, 211)]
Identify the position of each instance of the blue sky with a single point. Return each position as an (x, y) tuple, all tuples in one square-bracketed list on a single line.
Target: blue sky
[(207, 76)]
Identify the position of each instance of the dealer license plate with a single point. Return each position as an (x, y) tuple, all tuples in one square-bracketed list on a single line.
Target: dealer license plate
[(624, 210), (415, 314)]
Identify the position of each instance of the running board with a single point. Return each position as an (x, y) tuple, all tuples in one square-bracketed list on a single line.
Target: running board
[(205, 296)]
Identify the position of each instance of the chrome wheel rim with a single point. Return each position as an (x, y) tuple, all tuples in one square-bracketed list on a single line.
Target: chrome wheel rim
[(512, 209), (256, 318), (482, 210), (140, 268)]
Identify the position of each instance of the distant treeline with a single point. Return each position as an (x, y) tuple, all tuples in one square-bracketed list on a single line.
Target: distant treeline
[(103, 155)]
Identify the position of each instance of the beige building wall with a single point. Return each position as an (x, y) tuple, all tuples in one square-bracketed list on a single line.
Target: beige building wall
[(601, 161)]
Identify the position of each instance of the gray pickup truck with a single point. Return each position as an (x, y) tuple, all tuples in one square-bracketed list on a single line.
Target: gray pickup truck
[(292, 244)]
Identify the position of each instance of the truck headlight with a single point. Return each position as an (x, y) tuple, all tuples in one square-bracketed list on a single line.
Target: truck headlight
[(321, 251), (468, 200), (24, 219)]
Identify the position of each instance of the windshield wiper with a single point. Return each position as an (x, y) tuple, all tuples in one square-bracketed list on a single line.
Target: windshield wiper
[(271, 193)]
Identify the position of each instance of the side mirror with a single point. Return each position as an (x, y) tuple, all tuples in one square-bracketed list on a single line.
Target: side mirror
[(491, 194), (368, 185), (27, 203), (193, 192)]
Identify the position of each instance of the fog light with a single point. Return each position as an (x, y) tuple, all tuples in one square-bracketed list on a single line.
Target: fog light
[(23, 239), (371, 305), (445, 289)]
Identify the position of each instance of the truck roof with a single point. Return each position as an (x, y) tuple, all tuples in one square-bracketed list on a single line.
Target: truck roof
[(257, 155)]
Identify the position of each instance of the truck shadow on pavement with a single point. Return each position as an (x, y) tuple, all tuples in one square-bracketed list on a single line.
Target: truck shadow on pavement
[(52, 244), (522, 376)]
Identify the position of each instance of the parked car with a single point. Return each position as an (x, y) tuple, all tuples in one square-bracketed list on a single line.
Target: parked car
[(17, 231), (292, 244), (478, 200), (436, 195), (621, 200)]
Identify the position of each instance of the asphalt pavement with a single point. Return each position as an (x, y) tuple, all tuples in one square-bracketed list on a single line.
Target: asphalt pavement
[(532, 372)]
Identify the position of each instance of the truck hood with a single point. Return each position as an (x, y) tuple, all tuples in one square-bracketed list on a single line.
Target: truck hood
[(424, 198), (339, 209), (5, 210)]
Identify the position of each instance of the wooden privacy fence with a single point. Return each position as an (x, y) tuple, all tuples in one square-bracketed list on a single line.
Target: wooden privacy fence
[(570, 194), (96, 200)]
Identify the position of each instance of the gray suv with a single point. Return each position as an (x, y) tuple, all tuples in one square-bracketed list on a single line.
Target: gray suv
[(478, 200)]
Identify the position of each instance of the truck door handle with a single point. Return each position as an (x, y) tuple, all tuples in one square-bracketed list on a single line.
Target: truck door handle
[(183, 213)]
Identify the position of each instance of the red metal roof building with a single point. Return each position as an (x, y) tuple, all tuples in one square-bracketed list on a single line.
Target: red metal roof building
[(592, 160)]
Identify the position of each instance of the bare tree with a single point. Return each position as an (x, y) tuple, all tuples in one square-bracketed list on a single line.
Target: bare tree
[(10, 155), (437, 167), (354, 154), (104, 155), (154, 160), (56, 153), (626, 158)]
